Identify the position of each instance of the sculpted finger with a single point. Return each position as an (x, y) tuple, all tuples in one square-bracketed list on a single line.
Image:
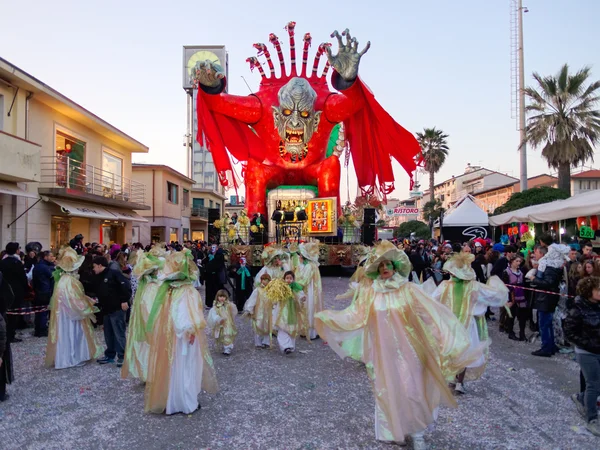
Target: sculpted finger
[(348, 37), (339, 38), (366, 49), (329, 54), (354, 45)]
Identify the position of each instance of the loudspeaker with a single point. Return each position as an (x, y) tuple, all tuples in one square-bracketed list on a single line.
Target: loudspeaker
[(369, 216), (301, 216), (276, 216), (213, 214), (288, 216), (368, 234)]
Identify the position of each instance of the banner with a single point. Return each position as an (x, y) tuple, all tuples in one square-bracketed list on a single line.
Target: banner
[(322, 216), (402, 211)]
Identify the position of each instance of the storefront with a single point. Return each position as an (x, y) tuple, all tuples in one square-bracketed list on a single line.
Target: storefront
[(105, 225)]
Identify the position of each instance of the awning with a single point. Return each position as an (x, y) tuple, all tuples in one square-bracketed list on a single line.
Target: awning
[(12, 189), (78, 209), (126, 214)]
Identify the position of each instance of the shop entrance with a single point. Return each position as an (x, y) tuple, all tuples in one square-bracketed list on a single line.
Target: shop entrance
[(113, 233), (60, 232)]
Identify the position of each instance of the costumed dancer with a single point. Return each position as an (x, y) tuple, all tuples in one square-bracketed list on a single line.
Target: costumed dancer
[(243, 284), (71, 340), (412, 346), (260, 309), (288, 297), (309, 277), (179, 364), (276, 263), (216, 274), (469, 300), (146, 271), (221, 318)]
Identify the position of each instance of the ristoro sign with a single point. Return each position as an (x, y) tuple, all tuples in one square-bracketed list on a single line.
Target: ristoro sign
[(402, 211)]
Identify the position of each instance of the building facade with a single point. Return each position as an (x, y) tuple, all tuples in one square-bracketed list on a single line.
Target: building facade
[(169, 198), (74, 166), (585, 181)]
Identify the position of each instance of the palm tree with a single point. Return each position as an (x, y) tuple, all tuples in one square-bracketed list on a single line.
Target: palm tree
[(564, 120), (435, 149)]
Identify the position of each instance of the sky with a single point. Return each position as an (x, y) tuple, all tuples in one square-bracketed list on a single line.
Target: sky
[(432, 62)]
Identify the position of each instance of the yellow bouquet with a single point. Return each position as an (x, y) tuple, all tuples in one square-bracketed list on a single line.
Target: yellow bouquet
[(254, 229), (218, 223)]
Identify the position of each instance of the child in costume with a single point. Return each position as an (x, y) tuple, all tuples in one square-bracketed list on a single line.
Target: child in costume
[(468, 300), (179, 364), (309, 278), (221, 318), (276, 263), (412, 345), (146, 271), (289, 297), (71, 335), (260, 309)]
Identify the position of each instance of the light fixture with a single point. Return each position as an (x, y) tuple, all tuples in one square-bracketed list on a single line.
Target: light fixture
[(302, 216), (562, 230), (289, 216), (276, 217)]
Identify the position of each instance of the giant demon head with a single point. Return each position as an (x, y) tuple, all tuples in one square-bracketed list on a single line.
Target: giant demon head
[(296, 119)]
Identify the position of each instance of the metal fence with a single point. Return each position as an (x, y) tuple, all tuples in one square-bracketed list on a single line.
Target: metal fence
[(63, 172)]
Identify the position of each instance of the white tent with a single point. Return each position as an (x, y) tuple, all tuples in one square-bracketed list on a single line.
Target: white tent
[(465, 213), (587, 204)]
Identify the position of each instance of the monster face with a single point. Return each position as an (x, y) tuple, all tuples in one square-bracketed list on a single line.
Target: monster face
[(296, 119)]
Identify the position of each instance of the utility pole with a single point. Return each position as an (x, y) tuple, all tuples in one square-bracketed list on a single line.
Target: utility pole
[(522, 133), (517, 69)]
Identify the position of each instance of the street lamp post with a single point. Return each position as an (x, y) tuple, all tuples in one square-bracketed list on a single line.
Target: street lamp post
[(522, 132)]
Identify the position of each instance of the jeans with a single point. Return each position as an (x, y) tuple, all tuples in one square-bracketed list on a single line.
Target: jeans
[(546, 331), (114, 334), (590, 366)]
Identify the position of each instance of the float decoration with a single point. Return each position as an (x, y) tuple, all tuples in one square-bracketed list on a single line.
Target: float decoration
[(292, 117)]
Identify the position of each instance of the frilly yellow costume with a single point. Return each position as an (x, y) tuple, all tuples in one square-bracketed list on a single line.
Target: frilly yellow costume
[(146, 270), (412, 345), (179, 366), (71, 334), (468, 300)]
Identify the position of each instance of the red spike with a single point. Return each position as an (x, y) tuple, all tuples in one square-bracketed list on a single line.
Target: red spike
[(290, 29), (255, 63), (307, 41), (263, 50), (275, 41), (320, 52)]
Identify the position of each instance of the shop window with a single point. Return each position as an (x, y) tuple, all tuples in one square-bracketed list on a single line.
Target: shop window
[(172, 191), (70, 162), (186, 234), (197, 235), (186, 198), (173, 234), (157, 234)]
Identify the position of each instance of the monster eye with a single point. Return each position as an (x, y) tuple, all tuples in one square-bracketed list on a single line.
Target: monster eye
[(305, 114), (287, 112)]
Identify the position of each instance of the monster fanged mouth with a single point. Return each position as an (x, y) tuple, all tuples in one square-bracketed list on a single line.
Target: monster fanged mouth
[(294, 136)]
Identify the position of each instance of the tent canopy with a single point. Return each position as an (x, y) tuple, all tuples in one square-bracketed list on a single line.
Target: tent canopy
[(464, 213), (587, 204)]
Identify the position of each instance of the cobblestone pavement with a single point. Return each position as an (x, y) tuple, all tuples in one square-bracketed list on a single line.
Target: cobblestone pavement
[(309, 400)]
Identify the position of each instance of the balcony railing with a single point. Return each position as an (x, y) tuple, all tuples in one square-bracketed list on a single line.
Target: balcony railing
[(200, 212), (62, 172)]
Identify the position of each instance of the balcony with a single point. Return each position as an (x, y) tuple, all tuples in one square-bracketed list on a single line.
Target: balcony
[(62, 176), (199, 212), (20, 159)]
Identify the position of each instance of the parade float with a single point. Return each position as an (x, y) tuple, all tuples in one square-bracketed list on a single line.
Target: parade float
[(285, 142)]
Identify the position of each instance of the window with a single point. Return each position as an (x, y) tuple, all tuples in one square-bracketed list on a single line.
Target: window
[(186, 198), (210, 203), (112, 175), (198, 203), (172, 191), (218, 205), (70, 157)]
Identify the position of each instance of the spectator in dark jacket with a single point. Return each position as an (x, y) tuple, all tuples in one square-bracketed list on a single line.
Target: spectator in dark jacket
[(503, 262), (548, 277), (113, 292), (4, 358), (43, 286), (77, 244), (14, 286), (582, 328)]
